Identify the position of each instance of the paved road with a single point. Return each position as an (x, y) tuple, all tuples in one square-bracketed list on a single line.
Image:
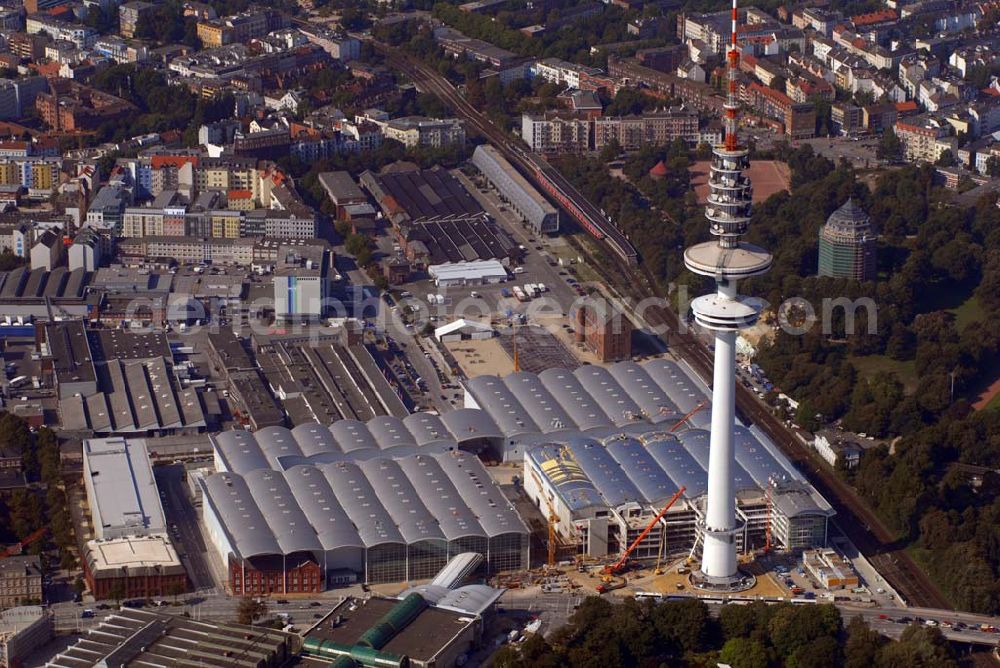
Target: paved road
[(182, 519)]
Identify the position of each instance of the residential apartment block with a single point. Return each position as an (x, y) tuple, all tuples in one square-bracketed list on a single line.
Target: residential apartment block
[(656, 128), (20, 581), (556, 133), (925, 138)]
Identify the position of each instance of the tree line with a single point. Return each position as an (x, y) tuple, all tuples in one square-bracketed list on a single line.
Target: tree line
[(35, 506), (601, 634)]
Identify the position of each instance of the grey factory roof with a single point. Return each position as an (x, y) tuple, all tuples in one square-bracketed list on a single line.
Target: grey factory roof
[(239, 451), (341, 187), (755, 458), (241, 519), (674, 458), (606, 474), (277, 442), (683, 391), (401, 500), (544, 409), (467, 423), (314, 438), (435, 489), (427, 428), (319, 504), (567, 477), (276, 502), (495, 513), (474, 598), (696, 441), (652, 399), (130, 637), (430, 592), (615, 401), (642, 469), (514, 187), (493, 396), (798, 498), (390, 432), (585, 411), (352, 435), (357, 497)]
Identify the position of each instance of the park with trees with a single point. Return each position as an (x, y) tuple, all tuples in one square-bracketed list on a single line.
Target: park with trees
[(601, 634)]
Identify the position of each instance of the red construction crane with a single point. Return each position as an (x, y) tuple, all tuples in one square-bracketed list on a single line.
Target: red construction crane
[(617, 566), (16, 548), (690, 414)]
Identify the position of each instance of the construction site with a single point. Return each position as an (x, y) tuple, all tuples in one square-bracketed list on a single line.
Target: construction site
[(592, 467)]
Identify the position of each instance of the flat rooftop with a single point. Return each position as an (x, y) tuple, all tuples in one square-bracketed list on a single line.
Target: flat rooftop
[(428, 634), (117, 344), (341, 188), (131, 553), (120, 488)]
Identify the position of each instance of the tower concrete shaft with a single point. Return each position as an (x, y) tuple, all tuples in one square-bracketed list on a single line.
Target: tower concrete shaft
[(725, 312)]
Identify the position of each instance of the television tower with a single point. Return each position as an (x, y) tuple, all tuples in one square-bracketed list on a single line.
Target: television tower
[(725, 312)]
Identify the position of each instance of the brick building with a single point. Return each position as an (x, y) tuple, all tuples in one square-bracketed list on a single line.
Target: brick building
[(261, 576), (606, 331), (695, 94), (799, 120), (72, 106)]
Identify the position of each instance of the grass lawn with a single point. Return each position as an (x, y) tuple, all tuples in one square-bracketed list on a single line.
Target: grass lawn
[(967, 313), (870, 365), (994, 404)]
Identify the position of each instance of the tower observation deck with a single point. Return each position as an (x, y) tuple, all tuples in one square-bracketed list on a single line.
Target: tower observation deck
[(726, 259)]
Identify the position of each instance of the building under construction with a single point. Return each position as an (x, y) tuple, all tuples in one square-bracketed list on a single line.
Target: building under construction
[(388, 500), (640, 435)]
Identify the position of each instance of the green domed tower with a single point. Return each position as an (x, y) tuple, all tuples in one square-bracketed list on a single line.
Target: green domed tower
[(847, 244)]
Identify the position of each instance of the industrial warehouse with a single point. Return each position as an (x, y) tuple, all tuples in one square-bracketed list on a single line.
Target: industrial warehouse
[(297, 510), (522, 197), (435, 219), (392, 499), (130, 550)]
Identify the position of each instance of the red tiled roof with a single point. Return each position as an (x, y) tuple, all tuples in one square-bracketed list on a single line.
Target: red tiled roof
[(659, 169), (909, 105), (160, 161), (771, 93), (881, 16), (240, 194)]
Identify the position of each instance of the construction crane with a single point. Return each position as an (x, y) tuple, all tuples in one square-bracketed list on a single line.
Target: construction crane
[(690, 414), (17, 548), (659, 555), (618, 565)]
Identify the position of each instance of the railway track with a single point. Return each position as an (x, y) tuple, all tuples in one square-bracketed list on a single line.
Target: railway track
[(535, 167), (858, 522)]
